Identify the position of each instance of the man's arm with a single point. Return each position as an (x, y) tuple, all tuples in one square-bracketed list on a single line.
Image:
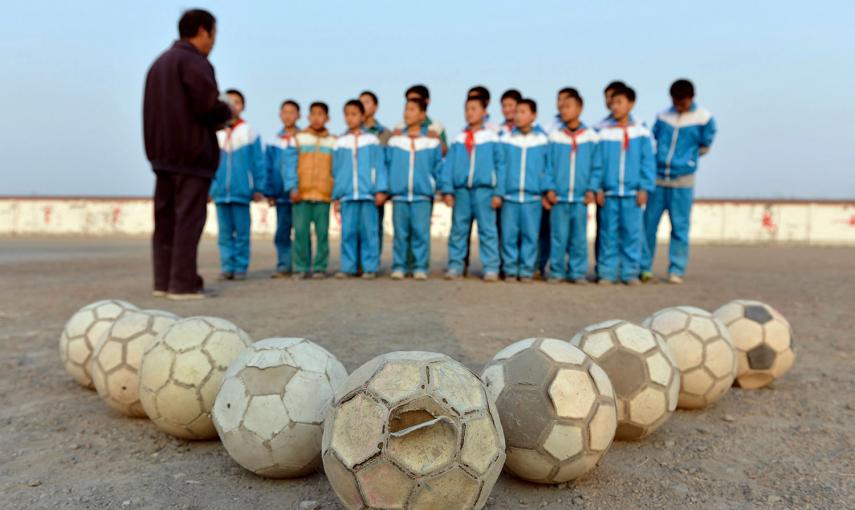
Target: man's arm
[(197, 76)]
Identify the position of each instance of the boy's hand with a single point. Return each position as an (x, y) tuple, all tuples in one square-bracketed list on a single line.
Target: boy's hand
[(271, 201), (546, 203), (295, 196), (496, 202), (380, 199), (257, 197), (601, 198), (589, 198), (641, 198), (448, 199), (552, 197), (337, 206), (210, 199)]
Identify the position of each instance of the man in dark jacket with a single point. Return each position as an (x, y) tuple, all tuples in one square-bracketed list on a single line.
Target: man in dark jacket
[(181, 114)]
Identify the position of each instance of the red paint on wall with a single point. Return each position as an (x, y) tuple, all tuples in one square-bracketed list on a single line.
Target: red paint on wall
[(47, 210)]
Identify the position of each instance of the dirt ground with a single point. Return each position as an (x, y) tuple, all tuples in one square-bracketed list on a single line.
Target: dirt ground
[(788, 446)]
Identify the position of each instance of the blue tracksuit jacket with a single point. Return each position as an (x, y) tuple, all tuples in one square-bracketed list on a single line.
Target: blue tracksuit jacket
[(359, 167), (413, 165), (527, 164), (576, 163), (281, 154), (627, 155), (242, 169), (679, 137)]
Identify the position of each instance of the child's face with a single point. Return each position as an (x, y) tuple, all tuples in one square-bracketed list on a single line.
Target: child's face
[(524, 117), (475, 112), (318, 118), (570, 109), (369, 105), (561, 99), (607, 97), (289, 115), (353, 117), (509, 108), (620, 106), (682, 105), (236, 103), (413, 116)]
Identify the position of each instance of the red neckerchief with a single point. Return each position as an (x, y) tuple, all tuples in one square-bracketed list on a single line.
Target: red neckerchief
[(625, 134), (286, 136), (470, 140), (573, 135)]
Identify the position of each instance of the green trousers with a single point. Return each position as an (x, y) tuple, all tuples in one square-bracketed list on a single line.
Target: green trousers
[(304, 215)]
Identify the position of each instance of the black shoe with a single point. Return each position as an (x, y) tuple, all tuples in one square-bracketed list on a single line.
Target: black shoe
[(240, 276), (226, 276)]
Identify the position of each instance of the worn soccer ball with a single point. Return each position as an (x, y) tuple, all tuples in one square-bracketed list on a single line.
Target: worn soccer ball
[(182, 370), (557, 409), (82, 333), (763, 339), (643, 373), (703, 349), (116, 359), (413, 430), (270, 410)]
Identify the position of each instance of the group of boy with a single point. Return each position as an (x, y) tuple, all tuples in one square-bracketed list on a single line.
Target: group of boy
[(527, 188)]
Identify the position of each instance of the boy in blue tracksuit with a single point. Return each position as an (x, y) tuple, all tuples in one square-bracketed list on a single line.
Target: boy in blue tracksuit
[(683, 133), (359, 186), (576, 175), (240, 178), (473, 185), (629, 170), (527, 157), (282, 154), (413, 162)]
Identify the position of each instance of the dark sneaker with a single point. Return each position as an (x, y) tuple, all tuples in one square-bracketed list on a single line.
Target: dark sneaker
[(240, 277), (189, 296), (226, 276), (646, 276)]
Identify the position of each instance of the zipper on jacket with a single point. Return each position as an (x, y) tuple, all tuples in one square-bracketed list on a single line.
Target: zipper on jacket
[(673, 147), (572, 188), (622, 167), (522, 168), (355, 162), (472, 165), (410, 178)]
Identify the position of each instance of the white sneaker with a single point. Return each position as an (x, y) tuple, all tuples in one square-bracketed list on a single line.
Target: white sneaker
[(420, 275), (397, 275), (675, 279)]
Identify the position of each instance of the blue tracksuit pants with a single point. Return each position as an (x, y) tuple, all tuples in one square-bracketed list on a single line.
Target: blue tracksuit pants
[(359, 236), (468, 204), (620, 239), (412, 225), (520, 233), (678, 203), (234, 224), (282, 239), (569, 229)]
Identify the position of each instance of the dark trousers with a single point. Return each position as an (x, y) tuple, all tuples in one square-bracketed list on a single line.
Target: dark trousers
[(180, 210)]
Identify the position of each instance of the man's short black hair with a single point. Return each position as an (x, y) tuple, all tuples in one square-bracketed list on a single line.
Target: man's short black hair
[(356, 103), (682, 89), (293, 103), (613, 86), (194, 19), (419, 89), (625, 91), (320, 104), (480, 99), (571, 93), (512, 94), (531, 103), (479, 90), (370, 94), (421, 103), (239, 94)]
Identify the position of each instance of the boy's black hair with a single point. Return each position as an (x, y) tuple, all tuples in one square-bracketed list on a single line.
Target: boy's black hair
[(682, 89), (614, 86), (370, 94), (511, 94), (419, 89), (625, 91), (239, 94), (320, 104), (570, 92), (421, 103), (479, 99), (531, 103), (192, 20), (356, 103), (479, 90), (293, 103)]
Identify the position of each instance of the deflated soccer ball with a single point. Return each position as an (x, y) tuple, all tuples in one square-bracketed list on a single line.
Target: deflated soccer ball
[(413, 430), (703, 349), (182, 371), (645, 376), (763, 340), (270, 410), (557, 409), (117, 358), (82, 333)]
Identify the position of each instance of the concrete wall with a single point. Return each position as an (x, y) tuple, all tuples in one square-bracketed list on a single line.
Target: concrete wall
[(713, 221)]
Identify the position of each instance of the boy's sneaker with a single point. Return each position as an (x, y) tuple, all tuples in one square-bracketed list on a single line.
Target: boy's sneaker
[(491, 277), (580, 281), (632, 282), (226, 276), (526, 279), (453, 275), (278, 275), (369, 276), (319, 276), (675, 279), (646, 276), (602, 282), (299, 276), (240, 276), (158, 293), (188, 296), (341, 275), (553, 280), (420, 275), (397, 275)]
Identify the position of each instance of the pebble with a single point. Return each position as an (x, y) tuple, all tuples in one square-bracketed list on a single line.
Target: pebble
[(309, 504), (728, 418), (34, 483)]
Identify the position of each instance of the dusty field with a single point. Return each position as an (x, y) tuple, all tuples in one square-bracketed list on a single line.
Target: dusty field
[(790, 446)]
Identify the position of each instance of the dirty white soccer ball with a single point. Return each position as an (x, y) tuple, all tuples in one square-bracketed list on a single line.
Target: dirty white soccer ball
[(270, 410), (82, 332), (763, 340), (644, 375), (557, 409), (182, 371), (117, 358), (413, 430), (703, 349)]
